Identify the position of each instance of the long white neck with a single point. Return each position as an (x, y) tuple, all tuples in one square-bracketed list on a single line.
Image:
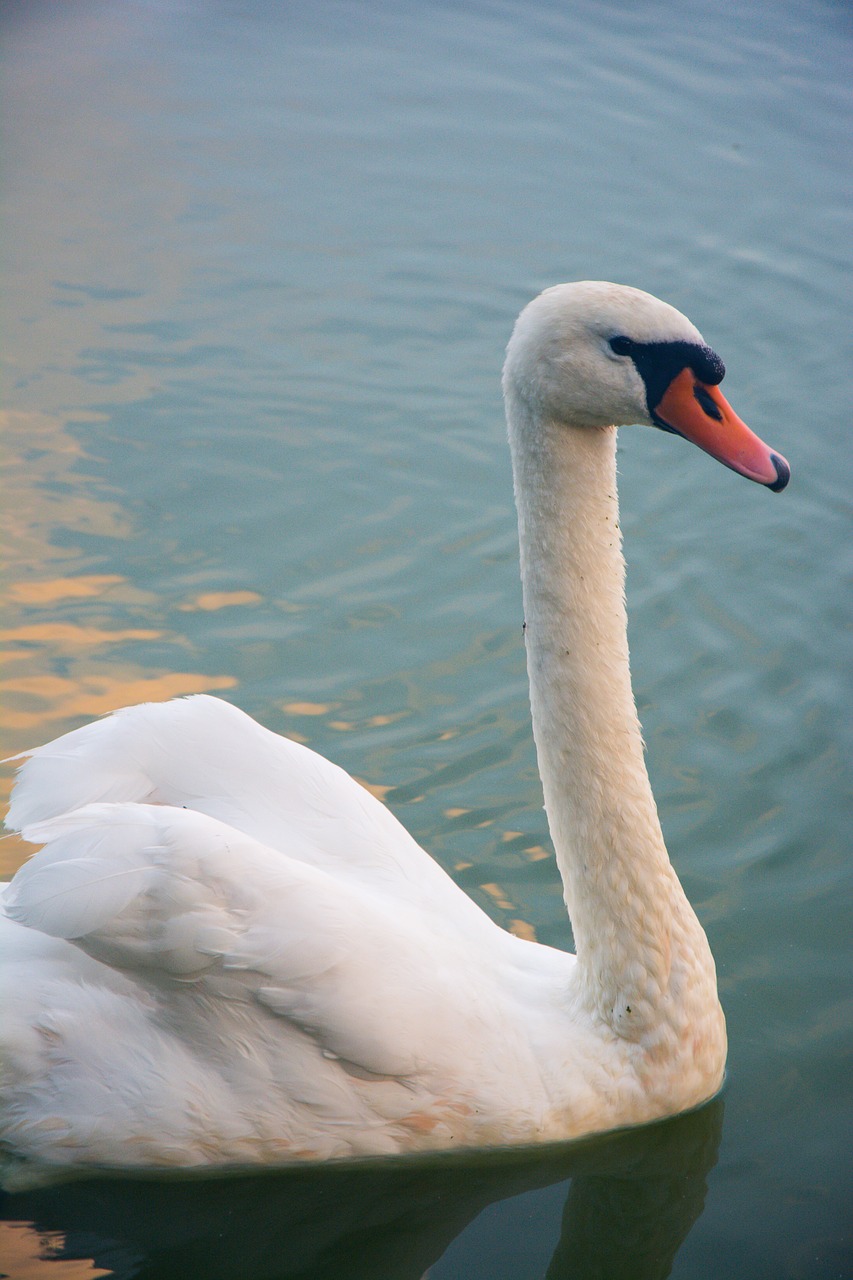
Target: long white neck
[(631, 920)]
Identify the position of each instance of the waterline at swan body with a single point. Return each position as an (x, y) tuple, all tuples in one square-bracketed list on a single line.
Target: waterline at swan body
[(229, 953)]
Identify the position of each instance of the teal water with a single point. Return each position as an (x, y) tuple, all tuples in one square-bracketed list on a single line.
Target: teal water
[(261, 261)]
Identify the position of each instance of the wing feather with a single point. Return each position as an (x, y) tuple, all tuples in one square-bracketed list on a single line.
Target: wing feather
[(170, 896), (203, 754)]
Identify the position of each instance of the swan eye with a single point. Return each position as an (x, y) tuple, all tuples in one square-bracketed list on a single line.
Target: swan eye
[(621, 345)]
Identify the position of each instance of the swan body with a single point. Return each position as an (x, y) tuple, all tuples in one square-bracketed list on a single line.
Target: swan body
[(229, 953)]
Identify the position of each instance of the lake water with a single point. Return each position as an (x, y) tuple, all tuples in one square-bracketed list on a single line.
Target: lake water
[(261, 263)]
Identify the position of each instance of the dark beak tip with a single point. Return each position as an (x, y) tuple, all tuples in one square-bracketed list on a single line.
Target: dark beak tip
[(783, 473)]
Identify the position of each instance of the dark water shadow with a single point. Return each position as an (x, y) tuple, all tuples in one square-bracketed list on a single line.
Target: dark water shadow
[(632, 1200)]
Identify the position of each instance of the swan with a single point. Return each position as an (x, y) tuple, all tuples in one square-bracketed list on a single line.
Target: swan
[(228, 953)]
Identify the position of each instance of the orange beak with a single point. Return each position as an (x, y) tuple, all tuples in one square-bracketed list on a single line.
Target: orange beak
[(701, 413)]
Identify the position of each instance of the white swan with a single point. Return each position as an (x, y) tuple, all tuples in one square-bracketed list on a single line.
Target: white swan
[(228, 952)]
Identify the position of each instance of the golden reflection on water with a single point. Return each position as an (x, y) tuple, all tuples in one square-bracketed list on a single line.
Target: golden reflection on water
[(209, 601), (28, 1254), (44, 492), (88, 584), (62, 670), (498, 896), (55, 698), (522, 929), (309, 708), (70, 633)]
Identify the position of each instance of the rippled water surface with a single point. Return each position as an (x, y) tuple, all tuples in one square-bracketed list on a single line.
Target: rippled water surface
[(261, 262)]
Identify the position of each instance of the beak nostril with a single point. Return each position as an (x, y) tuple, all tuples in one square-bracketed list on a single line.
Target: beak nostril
[(707, 402)]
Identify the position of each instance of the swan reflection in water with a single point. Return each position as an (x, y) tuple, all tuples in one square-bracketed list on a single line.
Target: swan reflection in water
[(632, 1199)]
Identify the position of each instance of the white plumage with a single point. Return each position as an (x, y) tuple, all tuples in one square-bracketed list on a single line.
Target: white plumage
[(228, 952)]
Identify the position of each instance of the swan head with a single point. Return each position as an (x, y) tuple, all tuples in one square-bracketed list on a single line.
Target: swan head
[(594, 354)]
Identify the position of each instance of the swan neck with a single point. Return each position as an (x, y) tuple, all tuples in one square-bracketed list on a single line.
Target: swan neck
[(620, 888)]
